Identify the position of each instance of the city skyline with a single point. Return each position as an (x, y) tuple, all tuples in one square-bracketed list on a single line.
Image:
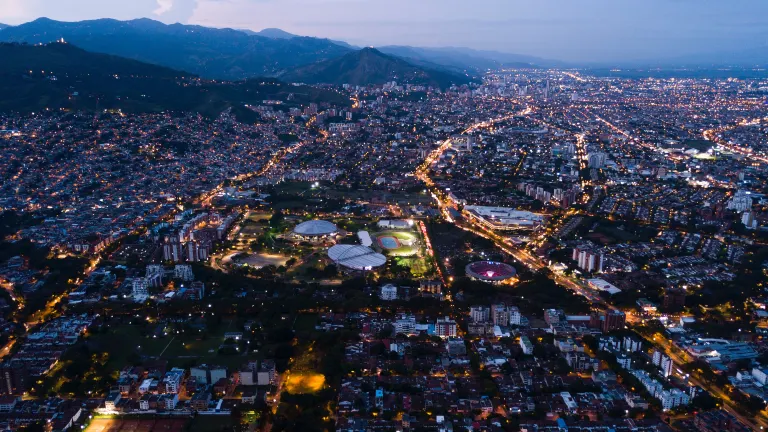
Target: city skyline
[(592, 31)]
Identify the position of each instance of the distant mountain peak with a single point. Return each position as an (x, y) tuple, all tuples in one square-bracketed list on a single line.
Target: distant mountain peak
[(371, 66), (275, 33)]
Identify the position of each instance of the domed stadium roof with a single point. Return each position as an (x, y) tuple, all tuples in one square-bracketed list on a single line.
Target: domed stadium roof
[(315, 228), (356, 257)]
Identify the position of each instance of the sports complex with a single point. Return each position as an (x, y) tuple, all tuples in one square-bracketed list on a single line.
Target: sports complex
[(315, 230), (356, 257), (397, 243), (490, 271)]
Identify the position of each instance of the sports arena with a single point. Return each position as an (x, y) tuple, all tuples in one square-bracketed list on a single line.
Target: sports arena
[(397, 243), (315, 230), (490, 271), (356, 257)]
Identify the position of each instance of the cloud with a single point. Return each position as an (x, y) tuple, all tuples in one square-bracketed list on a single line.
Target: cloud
[(163, 6)]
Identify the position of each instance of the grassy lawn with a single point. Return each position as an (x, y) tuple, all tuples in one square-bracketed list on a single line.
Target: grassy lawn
[(178, 349), (317, 261), (305, 322), (292, 187)]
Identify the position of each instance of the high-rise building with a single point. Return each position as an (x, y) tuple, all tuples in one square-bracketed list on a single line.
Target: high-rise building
[(479, 314), (173, 251), (196, 251), (748, 219), (14, 378), (140, 288), (155, 274), (526, 345), (624, 361), (741, 201), (183, 272), (666, 366), (613, 320), (500, 315), (587, 259), (674, 299), (445, 327), (596, 160), (631, 344), (514, 315), (663, 362)]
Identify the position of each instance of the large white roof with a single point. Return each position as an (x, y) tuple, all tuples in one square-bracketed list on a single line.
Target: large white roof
[(315, 228), (356, 257)]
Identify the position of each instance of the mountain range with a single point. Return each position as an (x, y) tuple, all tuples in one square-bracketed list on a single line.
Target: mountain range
[(61, 76), (371, 66), (212, 53), (236, 54), (465, 59), (233, 54)]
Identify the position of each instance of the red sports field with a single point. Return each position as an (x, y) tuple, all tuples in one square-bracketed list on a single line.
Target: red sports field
[(133, 425)]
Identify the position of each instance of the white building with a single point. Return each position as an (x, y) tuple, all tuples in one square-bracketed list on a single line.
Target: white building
[(672, 398), (183, 272), (602, 285), (172, 380), (140, 289), (526, 345), (514, 315), (624, 361), (405, 325), (666, 366), (741, 201), (632, 345), (500, 314), (111, 400), (388, 292), (748, 219), (155, 274), (267, 373), (597, 160), (171, 400), (760, 375), (504, 218), (588, 260), (246, 377), (479, 314), (395, 224)]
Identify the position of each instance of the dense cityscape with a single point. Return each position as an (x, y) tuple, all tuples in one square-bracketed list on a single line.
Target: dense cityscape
[(542, 249)]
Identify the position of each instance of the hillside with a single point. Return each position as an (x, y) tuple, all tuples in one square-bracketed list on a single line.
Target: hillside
[(370, 66), (207, 52), (62, 76)]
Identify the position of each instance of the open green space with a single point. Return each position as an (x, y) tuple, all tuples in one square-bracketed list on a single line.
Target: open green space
[(128, 343)]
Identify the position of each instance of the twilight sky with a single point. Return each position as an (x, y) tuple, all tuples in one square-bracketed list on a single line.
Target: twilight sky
[(572, 30)]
